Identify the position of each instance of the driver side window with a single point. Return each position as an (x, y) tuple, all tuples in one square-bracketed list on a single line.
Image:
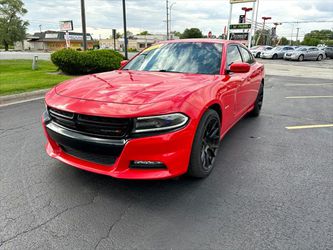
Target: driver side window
[(233, 55)]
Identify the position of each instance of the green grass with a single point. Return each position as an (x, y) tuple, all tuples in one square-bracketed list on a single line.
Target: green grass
[(16, 76)]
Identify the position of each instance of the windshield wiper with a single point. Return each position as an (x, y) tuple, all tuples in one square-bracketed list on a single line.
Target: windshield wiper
[(169, 71)]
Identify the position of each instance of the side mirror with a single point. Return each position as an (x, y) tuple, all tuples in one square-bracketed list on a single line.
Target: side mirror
[(240, 67), (123, 63)]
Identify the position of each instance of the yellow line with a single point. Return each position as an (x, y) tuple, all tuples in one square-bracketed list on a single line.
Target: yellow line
[(307, 84), (309, 97), (311, 126)]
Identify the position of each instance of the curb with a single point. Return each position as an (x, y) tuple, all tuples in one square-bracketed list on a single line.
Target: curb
[(22, 97)]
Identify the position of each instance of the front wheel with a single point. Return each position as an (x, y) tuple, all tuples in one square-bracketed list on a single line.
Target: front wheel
[(258, 103), (301, 58), (205, 145), (275, 56), (319, 58)]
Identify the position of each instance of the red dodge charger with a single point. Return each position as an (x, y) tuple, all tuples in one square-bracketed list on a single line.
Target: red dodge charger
[(161, 115)]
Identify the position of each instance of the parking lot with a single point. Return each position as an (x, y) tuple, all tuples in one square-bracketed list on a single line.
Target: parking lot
[(272, 186)]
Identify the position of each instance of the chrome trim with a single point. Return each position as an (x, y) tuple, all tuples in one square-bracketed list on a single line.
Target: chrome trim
[(73, 135)]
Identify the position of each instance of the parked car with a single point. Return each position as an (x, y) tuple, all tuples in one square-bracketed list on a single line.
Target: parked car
[(161, 115), (256, 50), (328, 52), (276, 52), (305, 53)]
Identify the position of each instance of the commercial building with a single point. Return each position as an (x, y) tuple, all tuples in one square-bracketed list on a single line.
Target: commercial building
[(52, 41)]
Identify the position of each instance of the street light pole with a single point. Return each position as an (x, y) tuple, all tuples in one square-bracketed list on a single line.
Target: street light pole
[(84, 30), (167, 18), (170, 17), (263, 27), (125, 29)]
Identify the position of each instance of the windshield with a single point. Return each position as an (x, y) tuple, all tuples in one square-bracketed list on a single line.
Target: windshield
[(277, 48), (301, 49), (255, 47), (182, 57)]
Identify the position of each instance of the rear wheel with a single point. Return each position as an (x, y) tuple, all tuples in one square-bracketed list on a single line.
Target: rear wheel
[(258, 103), (205, 145), (258, 55), (301, 58), (275, 56), (320, 57)]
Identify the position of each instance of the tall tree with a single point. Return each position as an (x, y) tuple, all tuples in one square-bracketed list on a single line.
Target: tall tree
[(12, 27), (192, 33)]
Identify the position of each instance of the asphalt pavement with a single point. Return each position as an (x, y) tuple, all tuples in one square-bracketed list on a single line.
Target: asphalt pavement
[(272, 188)]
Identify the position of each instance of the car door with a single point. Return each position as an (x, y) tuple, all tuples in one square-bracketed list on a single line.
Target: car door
[(251, 86), (236, 81)]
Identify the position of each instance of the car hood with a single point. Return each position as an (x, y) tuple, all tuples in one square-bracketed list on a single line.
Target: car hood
[(133, 87)]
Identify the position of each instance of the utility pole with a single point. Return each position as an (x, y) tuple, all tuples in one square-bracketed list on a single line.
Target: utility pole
[(297, 35), (84, 30), (291, 36), (171, 5), (40, 28), (125, 29), (167, 18)]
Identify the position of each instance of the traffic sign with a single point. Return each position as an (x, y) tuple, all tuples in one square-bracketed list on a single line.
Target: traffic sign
[(240, 26), (239, 36)]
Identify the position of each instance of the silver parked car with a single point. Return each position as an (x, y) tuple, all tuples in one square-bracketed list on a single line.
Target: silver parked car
[(256, 50), (277, 52), (305, 53)]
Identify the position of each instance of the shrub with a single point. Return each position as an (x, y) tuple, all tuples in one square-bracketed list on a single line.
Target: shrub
[(86, 62)]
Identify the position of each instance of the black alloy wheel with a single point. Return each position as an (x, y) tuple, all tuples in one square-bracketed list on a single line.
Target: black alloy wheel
[(205, 145), (259, 102)]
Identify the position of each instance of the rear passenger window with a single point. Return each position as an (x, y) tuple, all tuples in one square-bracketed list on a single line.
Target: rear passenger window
[(247, 57), (233, 55)]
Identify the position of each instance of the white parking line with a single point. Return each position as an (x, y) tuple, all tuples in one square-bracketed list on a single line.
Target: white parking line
[(309, 97), (308, 84), (310, 126)]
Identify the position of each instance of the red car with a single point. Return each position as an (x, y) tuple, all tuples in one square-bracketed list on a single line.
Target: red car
[(161, 115)]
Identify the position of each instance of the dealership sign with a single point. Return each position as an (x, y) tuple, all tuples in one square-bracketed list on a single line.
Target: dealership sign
[(66, 25), (241, 1), (240, 26), (239, 36)]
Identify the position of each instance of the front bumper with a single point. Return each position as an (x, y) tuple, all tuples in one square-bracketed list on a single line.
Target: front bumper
[(266, 56), (173, 149)]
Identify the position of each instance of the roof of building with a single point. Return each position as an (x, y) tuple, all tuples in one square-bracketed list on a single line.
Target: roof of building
[(57, 36)]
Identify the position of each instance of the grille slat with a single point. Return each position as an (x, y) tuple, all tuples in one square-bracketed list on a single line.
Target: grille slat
[(103, 127)]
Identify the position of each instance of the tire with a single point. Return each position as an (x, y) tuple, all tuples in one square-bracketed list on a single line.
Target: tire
[(258, 103), (301, 58), (275, 56), (258, 55), (320, 57), (205, 145)]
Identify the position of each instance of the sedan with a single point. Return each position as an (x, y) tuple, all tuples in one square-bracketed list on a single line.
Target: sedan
[(305, 53), (328, 52), (257, 50), (161, 115), (277, 52)]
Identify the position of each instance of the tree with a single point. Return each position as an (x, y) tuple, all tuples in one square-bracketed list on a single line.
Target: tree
[(192, 33), (12, 27), (316, 37), (144, 33), (284, 41), (177, 33)]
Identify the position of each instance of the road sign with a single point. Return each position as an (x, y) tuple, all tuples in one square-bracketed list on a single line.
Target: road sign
[(66, 25), (241, 1), (240, 26), (239, 36)]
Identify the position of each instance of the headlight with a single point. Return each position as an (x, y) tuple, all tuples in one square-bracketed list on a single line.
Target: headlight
[(159, 123)]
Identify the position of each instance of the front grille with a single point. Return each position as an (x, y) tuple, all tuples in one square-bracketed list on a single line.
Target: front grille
[(97, 126)]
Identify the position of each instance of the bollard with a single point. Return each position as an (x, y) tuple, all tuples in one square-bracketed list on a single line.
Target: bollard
[(35, 63)]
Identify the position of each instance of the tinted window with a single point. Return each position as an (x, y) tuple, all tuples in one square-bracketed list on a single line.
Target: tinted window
[(186, 57), (247, 57), (233, 55), (313, 49)]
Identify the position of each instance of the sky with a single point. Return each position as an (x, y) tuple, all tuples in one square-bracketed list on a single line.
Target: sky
[(208, 15)]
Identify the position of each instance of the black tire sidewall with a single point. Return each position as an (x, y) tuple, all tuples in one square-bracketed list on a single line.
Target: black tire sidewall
[(195, 168)]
